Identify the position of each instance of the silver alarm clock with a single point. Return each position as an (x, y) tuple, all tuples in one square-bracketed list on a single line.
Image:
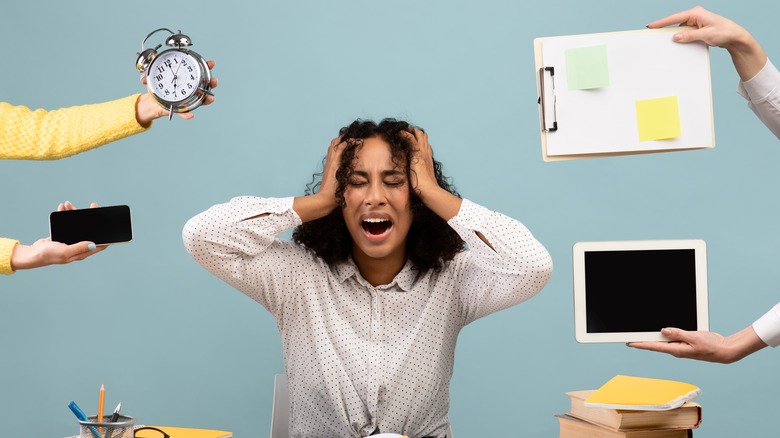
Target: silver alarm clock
[(178, 78)]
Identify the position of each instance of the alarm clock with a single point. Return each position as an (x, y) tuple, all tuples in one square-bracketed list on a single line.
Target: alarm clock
[(178, 78)]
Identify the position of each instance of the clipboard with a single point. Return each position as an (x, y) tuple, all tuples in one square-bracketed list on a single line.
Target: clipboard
[(621, 93)]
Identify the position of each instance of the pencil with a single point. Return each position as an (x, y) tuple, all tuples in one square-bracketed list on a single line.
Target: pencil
[(101, 401)]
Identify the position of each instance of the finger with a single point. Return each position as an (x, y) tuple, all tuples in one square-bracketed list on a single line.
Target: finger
[(61, 207), (93, 205), (76, 250), (143, 78), (211, 64), (678, 18), (83, 255)]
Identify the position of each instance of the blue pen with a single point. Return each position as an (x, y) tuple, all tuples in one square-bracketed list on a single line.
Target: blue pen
[(81, 416)]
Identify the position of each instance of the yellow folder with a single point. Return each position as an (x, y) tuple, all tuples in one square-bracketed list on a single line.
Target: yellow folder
[(642, 393), (183, 432)]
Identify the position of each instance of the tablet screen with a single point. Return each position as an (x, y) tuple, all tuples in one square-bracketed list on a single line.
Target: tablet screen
[(628, 291)]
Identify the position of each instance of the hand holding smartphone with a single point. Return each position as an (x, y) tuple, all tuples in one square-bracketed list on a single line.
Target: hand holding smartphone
[(101, 225)]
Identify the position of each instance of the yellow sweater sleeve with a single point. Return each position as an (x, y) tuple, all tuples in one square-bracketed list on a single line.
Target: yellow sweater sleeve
[(6, 249), (50, 135)]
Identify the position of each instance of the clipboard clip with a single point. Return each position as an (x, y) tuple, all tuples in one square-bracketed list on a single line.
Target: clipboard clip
[(547, 99)]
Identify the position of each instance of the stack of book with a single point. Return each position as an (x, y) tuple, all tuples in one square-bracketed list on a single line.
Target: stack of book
[(632, 407), (584, 422)]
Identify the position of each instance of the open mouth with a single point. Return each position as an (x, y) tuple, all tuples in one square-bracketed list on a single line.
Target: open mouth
[(376, 226)]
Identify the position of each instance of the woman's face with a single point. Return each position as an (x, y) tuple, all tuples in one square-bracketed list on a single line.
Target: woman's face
[(377, 207)]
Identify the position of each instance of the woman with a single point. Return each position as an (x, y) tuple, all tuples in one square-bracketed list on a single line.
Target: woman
[(373, 291)]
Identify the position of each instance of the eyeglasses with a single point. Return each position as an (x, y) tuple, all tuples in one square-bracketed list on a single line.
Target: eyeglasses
[(155, 433)]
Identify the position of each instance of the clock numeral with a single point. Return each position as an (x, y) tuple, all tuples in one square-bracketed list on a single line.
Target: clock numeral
[(183, 92), (160, 86), (189, 86), (161, 69), (159, 77), (167, 92), (192, 77), (189, 68), (167, 62)]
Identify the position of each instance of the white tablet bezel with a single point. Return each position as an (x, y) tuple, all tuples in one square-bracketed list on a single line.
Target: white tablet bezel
[(580, 318)]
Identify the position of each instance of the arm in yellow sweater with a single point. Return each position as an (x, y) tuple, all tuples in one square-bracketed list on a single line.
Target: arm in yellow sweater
[(50, 135)]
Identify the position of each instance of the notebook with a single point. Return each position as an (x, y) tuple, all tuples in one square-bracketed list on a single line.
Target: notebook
[(642, 393)]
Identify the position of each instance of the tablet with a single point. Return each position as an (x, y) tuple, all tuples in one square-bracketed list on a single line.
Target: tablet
[(627, 291)]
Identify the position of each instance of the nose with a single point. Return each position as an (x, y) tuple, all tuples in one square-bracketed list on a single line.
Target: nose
[(376, 194)]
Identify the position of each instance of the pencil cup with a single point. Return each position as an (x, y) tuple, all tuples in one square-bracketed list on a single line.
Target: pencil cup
[(121, 428)]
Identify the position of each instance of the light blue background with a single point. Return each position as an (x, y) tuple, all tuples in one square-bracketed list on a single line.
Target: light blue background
[(177, 346)]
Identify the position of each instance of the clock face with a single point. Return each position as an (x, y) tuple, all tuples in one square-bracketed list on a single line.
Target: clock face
[(173, 76)]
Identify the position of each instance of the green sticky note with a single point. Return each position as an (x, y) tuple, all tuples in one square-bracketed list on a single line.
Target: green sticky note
[(586, 68), (658, 119)]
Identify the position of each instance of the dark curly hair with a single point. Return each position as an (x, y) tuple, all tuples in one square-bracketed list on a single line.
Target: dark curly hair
[(430, 242)]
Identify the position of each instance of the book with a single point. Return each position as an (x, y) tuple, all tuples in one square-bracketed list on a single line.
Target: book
[(183, 432), (572, 427), (642, 393), (687, 416)]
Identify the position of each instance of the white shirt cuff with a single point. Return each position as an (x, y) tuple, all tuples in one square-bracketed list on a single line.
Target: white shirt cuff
[(768, 327), (762, 85)]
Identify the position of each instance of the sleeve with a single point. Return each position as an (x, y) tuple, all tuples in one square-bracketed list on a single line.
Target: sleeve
[(768, 327), (516, 268), (236, 241), (763, 95), (51, 135), (6, 249)]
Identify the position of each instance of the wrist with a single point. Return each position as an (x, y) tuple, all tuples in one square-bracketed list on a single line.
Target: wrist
[(743, 343), (24, 257), (314, 206), (146, 110), (747, 55)]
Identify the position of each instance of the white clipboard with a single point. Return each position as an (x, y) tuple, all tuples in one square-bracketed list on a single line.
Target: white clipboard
[(642, 66)]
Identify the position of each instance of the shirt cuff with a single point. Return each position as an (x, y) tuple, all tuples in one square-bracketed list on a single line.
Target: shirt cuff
[(6, 250), (768, 327), (470, 218), (762, 85)]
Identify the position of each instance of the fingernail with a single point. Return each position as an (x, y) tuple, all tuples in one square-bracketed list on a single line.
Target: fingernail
[(91, 247), (677, 37)]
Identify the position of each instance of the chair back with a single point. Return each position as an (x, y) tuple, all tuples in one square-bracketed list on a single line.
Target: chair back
[(280, 415)]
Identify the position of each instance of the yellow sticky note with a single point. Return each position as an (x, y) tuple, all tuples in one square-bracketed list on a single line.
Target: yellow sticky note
[(658, 119)]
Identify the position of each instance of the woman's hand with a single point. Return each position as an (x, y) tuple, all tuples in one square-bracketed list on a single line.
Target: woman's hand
[(423, 177), (147, 109), (44, 252), (323, 202)]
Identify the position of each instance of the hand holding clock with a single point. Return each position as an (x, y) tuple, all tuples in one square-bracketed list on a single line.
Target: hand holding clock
[(147, 109)]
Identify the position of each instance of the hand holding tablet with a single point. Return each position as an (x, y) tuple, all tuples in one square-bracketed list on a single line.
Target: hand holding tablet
[(627, 291)]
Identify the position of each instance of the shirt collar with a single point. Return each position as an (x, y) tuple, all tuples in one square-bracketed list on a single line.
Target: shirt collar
[(404, 280)]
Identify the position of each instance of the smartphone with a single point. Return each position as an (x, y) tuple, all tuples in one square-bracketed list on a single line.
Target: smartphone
[(102, 225)]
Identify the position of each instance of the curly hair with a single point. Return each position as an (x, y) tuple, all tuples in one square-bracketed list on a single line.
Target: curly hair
[(430, 242)]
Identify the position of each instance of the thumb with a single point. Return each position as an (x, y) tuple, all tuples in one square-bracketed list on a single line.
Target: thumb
[(702, 34), (674, 334), (683, 37)]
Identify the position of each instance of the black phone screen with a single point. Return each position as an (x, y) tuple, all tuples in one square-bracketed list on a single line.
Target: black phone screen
[(102, 225)]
